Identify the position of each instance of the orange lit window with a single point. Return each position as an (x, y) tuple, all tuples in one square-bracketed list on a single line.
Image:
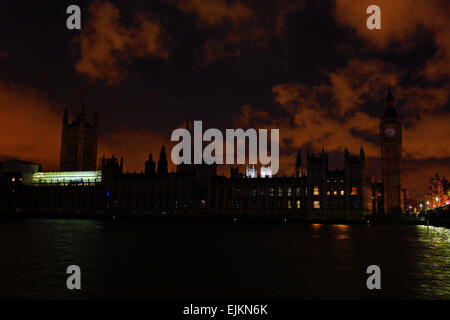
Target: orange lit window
[(334, 193), (316, 204), (316, 191), (354, 191), (328, 193)]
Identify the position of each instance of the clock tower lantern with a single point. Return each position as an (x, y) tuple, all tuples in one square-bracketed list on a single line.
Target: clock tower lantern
[(391, 155)]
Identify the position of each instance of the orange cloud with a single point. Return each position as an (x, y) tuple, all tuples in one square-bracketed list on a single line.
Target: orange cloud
[(308, 123), (400, 20), (344, 92), (359, 81), (30, 125), (107, 46), (419, 100), (425, 134), (428, 137)]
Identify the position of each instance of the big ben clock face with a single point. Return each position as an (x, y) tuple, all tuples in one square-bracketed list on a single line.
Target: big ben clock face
[(390, 132)]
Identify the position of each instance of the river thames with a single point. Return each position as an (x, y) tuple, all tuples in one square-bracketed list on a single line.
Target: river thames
[(219, 260)]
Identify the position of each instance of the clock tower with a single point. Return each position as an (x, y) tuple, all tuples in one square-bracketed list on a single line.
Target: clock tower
[(391, 155)]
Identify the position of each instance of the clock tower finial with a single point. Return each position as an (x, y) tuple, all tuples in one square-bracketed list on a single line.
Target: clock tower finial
[(389, 109), (389, 97)]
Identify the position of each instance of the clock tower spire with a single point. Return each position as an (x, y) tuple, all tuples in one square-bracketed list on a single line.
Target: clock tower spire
[(391, 155)]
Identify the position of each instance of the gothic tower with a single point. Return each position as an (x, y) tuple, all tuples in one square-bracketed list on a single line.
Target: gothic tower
[(162, 163), (391, 155), (298, 165), (79, 141), (150, 166)]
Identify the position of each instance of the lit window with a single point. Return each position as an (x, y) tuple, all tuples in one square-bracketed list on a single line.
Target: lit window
[(334, 193), (78, 177), (328, 193), (316, 204), (342, 192), (13, 179), (289, 204), (298, 204), (316, 191), (354, 191)]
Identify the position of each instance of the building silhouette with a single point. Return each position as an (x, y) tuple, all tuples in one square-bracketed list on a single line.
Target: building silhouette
[(79, 141), (150, 167), (437, 193), (312, 191), (162, 163), (391, 155), (298, 165)]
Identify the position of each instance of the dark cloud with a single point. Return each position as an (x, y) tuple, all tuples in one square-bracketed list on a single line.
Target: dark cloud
[(238, 26)]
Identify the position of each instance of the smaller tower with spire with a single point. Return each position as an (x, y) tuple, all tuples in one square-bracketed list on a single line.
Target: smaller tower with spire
[(150, 166), (298, 165), (162, 163)]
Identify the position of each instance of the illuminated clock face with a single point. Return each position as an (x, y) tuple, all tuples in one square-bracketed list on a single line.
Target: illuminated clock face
[(390, 132)]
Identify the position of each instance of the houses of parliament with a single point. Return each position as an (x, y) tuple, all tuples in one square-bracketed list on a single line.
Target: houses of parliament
[(312, 191)]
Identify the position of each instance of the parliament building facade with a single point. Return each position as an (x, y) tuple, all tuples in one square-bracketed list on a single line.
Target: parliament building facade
[(313, 191)]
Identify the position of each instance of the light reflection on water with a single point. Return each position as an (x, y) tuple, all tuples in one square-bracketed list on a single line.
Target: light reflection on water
[(433, 256), (206, 260)]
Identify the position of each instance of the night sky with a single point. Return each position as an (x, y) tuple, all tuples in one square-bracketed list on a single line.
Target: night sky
[(310, 68)]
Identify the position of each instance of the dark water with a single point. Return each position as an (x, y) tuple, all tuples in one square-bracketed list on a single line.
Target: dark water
[(206, 260)]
